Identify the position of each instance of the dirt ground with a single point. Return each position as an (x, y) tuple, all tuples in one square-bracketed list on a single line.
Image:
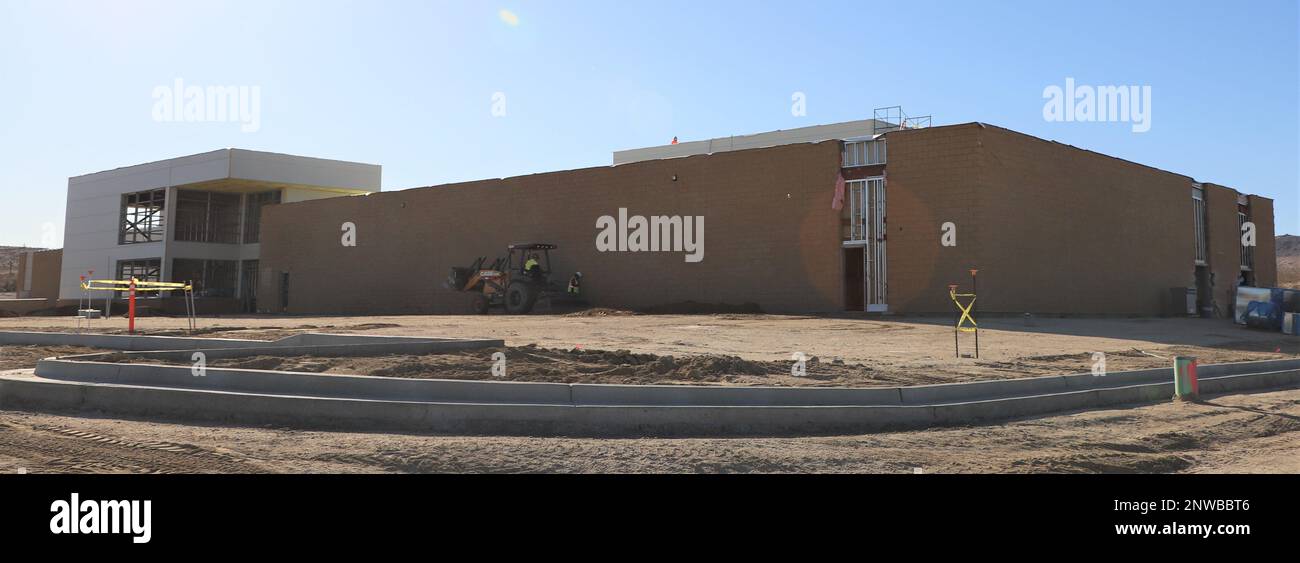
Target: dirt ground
[(1237, 433), (1230, 434), (531, 363), (613, 347), (21, 357)]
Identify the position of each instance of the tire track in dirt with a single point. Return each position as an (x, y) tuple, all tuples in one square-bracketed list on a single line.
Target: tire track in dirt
[(1235, 433), (1178, 440), (63, 450)]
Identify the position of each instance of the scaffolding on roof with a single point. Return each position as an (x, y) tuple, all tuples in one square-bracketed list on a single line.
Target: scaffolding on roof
[(893, 118)]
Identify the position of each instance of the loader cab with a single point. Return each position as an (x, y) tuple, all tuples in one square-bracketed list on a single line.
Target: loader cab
[(519, 254)]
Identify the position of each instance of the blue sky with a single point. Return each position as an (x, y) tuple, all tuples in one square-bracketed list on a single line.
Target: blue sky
[(410, 84)]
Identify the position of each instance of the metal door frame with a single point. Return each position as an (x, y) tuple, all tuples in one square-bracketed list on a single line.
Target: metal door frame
[(867, 206)]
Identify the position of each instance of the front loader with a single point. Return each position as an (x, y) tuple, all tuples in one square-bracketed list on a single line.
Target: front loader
[(515, 283)]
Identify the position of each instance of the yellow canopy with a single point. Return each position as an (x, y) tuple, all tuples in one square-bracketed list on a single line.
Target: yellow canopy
[(125, 285)]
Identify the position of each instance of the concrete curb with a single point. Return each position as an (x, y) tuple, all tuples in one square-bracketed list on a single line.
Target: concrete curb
[(122, 341), (75, 368), (308, 343), (26, 390), (331, 350), (318, 385)]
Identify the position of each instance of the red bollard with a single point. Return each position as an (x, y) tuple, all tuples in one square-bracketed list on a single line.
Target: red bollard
[(130, 327)]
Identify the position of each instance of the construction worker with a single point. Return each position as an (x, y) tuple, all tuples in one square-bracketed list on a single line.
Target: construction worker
[(531, 267), (575, 284)]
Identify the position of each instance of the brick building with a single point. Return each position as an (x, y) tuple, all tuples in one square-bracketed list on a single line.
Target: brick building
[(1050, 227), (38, 274)]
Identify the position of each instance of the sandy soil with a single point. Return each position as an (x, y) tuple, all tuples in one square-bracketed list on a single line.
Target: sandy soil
[(1237, 433), (19, 357), (849, 351), (531, 363), (1248, 433)]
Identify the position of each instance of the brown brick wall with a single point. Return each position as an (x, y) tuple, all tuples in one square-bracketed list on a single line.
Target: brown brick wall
[(1051, 228), (21, 274), (46, 267), (770, 235), (933, 176), (1224, 247), (1261, 213), (1080, 232)]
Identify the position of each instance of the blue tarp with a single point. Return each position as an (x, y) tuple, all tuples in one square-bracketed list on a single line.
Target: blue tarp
[(1263, 314)]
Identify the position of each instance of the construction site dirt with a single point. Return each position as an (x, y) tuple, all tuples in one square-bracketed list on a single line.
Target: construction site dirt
[(532, 363), (1252, 432), (734, 348), (1247, 433)]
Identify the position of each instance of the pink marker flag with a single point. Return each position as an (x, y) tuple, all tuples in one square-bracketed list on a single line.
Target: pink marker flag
[(838, 202)]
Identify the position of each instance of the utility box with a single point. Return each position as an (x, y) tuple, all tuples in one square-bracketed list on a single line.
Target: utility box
[(1182, 301), (1291, 324)]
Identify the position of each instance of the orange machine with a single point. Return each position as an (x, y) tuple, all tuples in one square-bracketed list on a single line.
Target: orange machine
[(515, 282)]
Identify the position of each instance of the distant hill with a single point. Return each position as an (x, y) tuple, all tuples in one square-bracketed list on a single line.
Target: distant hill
[(1288, 261)]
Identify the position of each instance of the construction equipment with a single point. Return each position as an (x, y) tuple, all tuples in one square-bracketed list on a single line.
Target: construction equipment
[(517, 282), (134, 285)]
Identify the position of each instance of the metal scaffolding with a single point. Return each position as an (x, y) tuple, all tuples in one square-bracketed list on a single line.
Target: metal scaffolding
[(893, 118)]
